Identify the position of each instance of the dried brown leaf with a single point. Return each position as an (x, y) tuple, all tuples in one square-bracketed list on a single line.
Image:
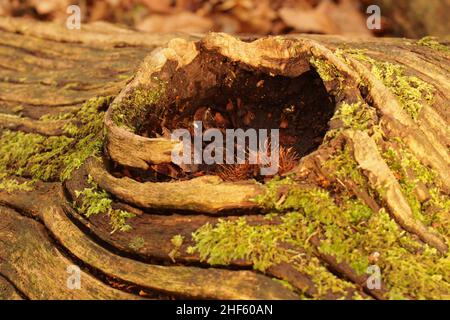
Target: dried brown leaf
[(181, 22)]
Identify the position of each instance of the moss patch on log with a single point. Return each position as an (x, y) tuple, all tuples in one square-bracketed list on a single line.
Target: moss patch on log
[(344, 166), (135, 106), (433, 43), (177, 242), (358, 116), (96, 201), (277, 241), (326, 70), (33, 155), (348, 230), (426, 262), (53, 158), (10, 185), (411, 91), (410, 172), (263, 246)]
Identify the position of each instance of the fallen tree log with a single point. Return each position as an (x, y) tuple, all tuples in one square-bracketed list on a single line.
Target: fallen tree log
[(85, 152)]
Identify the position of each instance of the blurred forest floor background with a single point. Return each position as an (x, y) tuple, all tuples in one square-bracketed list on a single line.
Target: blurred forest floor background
[(408, 18)]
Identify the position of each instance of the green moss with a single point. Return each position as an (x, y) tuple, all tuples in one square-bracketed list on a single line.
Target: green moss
[(411, 91), (11, 185), (119, 220), (307, 212), (332, 220), (358, 116), (409, 268), (57, 117), (409, 172), (439, 199), (263, 246), (135, 106), (94, 201), (177, 242), (137, 243), (381, 234), (223, 243), (325, 69), (433, 43), (97, 201), (89, 119), (325, 282), (357, 210), (344, 167), (349, 231), (32, 155), (401, 167), (271, 196), (353, 240), (54, 158)]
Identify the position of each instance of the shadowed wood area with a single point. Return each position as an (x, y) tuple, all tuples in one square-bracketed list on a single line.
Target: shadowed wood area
[(8, 292), (87, 178)]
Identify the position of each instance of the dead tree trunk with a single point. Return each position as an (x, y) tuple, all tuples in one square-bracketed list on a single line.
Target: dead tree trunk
[(87, 177)]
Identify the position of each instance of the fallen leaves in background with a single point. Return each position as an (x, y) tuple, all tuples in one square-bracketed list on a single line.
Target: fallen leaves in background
[(183, 21), (328, 17), (199, 16)]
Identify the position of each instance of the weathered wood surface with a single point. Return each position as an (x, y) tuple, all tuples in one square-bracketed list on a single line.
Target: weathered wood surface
[(25, 240), (7, 291), (46, 70)]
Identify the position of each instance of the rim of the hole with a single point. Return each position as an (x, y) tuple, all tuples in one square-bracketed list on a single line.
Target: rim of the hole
[(149, 76)]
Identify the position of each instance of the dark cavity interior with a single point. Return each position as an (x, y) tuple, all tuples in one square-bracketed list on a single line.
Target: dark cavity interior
[(224, 94)]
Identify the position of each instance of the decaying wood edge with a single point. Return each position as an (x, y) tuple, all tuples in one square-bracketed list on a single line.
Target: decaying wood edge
[(207, 194)]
